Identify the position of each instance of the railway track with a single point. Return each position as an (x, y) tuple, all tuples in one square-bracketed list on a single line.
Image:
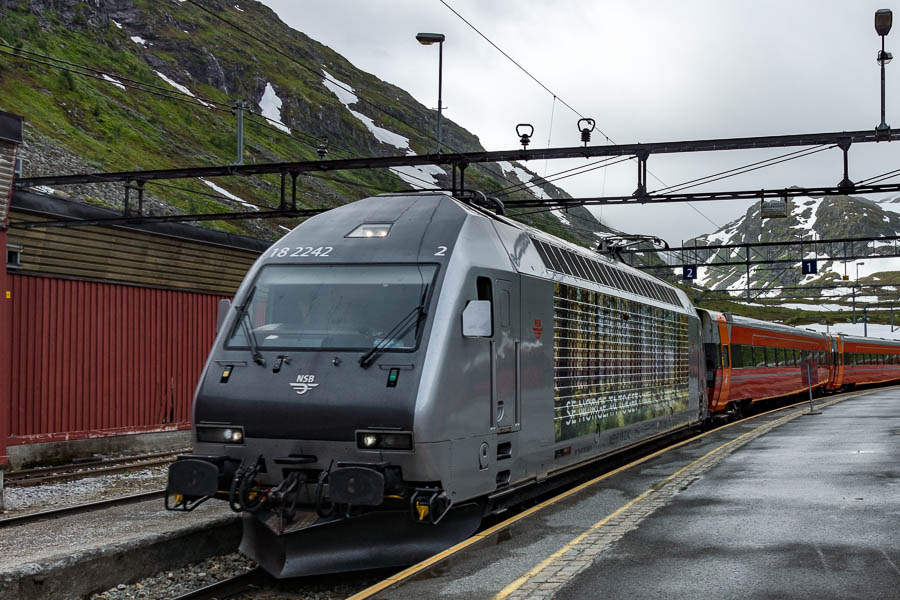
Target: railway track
[(80, 508), (230, 587), (80, 470)]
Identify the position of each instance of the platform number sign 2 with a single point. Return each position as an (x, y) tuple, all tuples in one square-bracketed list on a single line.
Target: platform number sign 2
[(689, 272), (809, 266)]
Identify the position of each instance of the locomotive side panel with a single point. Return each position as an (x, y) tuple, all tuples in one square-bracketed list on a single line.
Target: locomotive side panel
[(622, 371), (470, 385)]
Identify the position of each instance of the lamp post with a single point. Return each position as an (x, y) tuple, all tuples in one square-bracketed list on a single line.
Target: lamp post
[(883, 20), (855, 288), (426, 39)]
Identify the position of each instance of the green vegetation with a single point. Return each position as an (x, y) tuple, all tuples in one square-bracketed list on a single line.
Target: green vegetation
[(114, 129)]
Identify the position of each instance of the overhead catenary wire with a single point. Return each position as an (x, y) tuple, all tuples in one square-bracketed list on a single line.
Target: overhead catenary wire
[(606, 162), (743, 169), (513, 61), (173, 94), (548, 90)]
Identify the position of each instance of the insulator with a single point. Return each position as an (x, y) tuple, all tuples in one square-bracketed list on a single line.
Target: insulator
[(524, 131), (322, 148), (586, 126)]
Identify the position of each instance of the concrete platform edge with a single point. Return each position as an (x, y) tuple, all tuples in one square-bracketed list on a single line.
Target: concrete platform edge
[(80, 574)]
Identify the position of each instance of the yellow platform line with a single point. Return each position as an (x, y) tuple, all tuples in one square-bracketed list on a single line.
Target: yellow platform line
[(440, 556)]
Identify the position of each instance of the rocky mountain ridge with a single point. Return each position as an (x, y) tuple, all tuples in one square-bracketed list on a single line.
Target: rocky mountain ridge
[(828, 218)]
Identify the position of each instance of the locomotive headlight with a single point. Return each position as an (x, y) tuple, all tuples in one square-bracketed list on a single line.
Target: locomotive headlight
[(370, 440), (220, 435)]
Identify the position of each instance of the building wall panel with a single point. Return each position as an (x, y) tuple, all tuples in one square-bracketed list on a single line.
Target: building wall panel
[(129, 256), (93, 358)]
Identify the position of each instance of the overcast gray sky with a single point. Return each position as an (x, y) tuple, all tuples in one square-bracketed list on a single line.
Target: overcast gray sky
[(647, 71)]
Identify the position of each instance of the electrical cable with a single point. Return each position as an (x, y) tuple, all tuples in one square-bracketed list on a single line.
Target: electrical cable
[(183, 98), (593, 167), (745, 169), (549, 138), (173, 94), (513, 61), (879, 177)]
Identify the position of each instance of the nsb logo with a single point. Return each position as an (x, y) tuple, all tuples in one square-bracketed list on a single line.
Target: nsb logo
[(304, 383)]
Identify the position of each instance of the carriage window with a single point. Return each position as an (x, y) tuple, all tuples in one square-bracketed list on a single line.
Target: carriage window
[(759, 356), (725, 359), (747, 352), (771, 356)]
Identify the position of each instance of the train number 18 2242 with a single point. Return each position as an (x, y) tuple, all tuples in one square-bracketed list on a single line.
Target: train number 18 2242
[(299, 251)]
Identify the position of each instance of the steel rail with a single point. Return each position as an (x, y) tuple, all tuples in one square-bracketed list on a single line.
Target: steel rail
[(229, 587), (32, 482), (80, 508), (31, 477)]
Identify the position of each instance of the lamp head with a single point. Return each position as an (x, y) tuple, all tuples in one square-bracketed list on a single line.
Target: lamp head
[(883, 20), (426, 39)]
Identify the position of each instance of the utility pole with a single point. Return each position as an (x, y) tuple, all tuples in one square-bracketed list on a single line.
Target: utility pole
[(865, 321), (854, 305), (239, 105)]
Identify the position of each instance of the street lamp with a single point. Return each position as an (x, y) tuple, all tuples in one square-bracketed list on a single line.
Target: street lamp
[(855, 289), (426, 39), (883, 20)]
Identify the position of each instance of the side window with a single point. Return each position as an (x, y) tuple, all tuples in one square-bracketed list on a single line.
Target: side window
[(725, 361), (747, 351), (485, 291), (759, 356), (771, 356), (737, 356)]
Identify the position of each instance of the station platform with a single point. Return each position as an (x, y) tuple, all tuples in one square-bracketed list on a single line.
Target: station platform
[(781, 505)]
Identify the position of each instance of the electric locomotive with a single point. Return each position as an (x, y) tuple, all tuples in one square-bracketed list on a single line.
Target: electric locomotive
[(397, 368)]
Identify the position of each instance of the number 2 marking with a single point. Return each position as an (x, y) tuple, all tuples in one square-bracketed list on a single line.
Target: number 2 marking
[(442, 250)]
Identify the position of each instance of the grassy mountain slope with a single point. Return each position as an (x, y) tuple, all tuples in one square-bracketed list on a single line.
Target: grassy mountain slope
[(99, 125)]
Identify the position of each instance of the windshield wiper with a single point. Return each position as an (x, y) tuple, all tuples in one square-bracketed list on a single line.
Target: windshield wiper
[(366, 360), (248, 330)]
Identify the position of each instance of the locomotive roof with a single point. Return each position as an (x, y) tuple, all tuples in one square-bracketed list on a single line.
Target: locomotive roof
[(652, 289)]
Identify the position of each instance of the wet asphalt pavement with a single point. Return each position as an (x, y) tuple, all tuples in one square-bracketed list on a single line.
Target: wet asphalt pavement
[(808, 509)]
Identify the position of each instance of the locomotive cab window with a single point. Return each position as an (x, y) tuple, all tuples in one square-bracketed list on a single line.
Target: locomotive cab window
[(339, 307)]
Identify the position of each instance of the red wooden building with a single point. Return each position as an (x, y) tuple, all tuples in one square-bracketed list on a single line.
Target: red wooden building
[(104, 330)]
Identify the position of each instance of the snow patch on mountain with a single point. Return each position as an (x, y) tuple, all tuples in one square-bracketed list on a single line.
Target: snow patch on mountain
[(420, 176), (270, 105)]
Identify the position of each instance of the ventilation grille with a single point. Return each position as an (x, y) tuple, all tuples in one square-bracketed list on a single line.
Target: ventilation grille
[(570, 263)]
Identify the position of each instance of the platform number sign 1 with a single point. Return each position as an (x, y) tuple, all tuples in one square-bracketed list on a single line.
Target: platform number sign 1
[(689, 272), (809, 266)]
